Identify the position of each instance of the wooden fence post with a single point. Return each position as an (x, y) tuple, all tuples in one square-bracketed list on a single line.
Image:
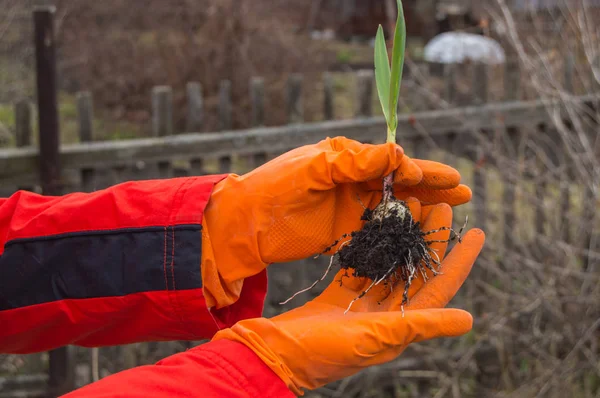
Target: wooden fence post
[(589, 239), (511, 134), (23, 130), (480, 83), (568, 84), (512, 80), (84, 119), (487, 366), (195, 107), (540, 184), (479, 157), (195, 121), (448, 142), (328, 96), (364, 93), (48, 124), (162, 111), (225, 122), (225, 164), (450, 87), (85, 116), (564, 199), (23, 123), (591, 198), (294, 98), (257, 96), (225, 117), (61, 360), (162, 120), (197, 167)]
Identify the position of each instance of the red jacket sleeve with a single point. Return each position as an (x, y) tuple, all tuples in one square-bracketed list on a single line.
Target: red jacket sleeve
[(216, 369), (116, 266)]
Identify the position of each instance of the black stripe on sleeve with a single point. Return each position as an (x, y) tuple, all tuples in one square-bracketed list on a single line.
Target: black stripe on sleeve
[(94, 264)]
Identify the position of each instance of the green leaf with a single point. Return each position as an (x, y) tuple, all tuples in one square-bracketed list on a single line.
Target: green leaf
[(397, 66), (382, 73)]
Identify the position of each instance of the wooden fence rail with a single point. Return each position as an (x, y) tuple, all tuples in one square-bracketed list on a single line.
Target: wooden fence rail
[(20, 164)]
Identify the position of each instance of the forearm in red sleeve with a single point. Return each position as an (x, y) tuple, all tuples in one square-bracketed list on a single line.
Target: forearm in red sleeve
[(116, 266), (216, 369)]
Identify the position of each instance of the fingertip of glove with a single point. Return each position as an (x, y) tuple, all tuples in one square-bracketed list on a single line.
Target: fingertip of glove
[(437, 175), (454, 197), (436, 216), (458, 322), (432, 323), (477, 231), (397, 153), (408, 173), (390, 151), (451, 322), (467, 193), (399, 150), (475, 235), (388, 156), (426, 210), (414, 205), (441, 207)]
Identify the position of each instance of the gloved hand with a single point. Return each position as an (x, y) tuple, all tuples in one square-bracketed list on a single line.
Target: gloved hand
[(298, 204), (317, 343)]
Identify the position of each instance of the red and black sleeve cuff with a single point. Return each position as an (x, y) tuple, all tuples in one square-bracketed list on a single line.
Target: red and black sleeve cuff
[(112, 267)]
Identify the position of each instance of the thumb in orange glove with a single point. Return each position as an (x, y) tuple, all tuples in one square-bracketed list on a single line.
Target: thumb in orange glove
[(298, 204), (317, 343)]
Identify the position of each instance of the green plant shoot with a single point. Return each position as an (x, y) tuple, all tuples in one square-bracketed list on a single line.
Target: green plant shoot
[(382, 72), (388, 81)]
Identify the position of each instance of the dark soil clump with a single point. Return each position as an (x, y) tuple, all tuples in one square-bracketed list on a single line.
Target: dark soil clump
[(389, 248), (384, 244)]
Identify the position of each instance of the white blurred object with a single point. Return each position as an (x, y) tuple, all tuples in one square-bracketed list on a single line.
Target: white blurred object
[(457, 47), (327, 34)]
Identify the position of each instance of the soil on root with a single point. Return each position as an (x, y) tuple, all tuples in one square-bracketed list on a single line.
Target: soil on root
[(389, 248), (384, 244)]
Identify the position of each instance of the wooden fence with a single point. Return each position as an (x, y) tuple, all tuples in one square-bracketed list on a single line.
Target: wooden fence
[(478, 134), (167, 149)]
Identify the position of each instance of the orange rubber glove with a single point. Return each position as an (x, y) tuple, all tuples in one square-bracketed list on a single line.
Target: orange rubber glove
[(317, 343), (298, 204)]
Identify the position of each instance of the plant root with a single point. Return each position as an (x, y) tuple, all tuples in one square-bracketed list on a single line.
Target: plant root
[(318, 280), (389, 248), (375, 283)]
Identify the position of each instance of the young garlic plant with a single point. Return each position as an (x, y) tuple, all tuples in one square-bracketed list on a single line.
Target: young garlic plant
[(388, 82), (390, 247)]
